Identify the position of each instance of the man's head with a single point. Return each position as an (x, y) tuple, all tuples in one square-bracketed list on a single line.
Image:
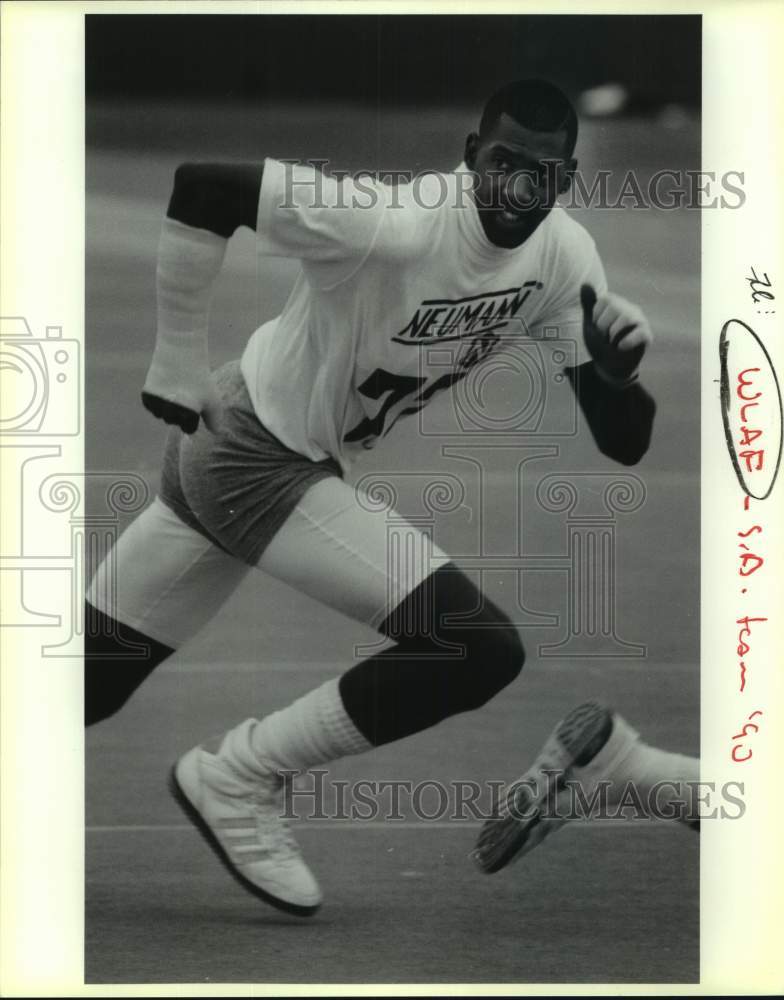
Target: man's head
[(522, 158)]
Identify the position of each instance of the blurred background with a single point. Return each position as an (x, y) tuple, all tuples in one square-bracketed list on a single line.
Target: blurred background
[(390, 60), (208, 82), (389, 93)]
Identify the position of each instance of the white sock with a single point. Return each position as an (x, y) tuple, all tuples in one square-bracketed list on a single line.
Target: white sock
[(189, 261), (624, 758), (313, 730)]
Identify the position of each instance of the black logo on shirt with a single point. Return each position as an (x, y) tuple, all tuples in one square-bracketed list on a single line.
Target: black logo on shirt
[(440, 320)]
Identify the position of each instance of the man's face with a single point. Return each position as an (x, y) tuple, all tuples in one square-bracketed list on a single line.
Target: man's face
[(519, 174)]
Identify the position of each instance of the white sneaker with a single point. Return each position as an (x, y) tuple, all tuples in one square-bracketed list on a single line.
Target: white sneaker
[(522, 816), (241, 821), (588, 746)]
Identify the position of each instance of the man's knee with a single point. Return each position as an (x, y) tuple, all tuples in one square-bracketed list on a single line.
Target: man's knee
[(454, 650), (506, 650), (451, 616), (496, 656)]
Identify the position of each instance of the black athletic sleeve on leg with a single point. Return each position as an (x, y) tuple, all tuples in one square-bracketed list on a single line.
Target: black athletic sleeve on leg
[(117, 659), (621, 420)]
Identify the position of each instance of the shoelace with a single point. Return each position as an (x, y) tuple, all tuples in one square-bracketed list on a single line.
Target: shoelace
[(274, 834)]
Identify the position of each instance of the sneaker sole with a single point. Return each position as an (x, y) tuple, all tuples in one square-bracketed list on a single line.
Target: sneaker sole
[(212, 841), (577, 738)]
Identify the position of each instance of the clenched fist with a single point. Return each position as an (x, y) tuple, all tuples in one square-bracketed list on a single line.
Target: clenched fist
[(616, 334), (181, 391)]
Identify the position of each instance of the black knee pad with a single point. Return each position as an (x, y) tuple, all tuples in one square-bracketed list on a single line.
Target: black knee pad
[(447, 615), (454, 650), (117, 659)]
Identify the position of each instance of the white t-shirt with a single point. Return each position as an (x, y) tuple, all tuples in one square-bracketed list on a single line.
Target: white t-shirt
[(395, 283)]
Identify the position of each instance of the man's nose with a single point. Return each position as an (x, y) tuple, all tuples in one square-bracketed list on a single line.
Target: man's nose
[(520, 190)]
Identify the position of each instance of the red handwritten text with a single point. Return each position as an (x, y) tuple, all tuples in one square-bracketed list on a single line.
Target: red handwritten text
[(738, 751)]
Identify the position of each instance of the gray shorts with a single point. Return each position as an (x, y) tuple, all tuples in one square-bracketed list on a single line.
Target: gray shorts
[(237, 487)]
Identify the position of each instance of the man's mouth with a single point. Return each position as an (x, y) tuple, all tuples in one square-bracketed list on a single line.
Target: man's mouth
[(510, 217)]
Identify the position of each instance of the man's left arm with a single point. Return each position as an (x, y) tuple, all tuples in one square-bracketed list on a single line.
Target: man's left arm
[(619, 411)]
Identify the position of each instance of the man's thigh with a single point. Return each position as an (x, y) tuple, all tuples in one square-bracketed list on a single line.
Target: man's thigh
[(163, 578), (339, 548)]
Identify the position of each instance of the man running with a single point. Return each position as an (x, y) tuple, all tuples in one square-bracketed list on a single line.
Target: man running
[(254, 465)]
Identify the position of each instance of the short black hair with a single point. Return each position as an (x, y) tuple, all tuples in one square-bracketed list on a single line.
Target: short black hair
[(535, 104)]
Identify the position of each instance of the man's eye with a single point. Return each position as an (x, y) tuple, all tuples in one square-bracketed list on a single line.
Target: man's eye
[(501, 164)]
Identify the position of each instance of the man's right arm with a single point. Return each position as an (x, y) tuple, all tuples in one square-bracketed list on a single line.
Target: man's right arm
[(210, 201)]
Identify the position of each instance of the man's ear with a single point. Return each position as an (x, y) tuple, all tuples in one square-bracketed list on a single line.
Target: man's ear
[(471, 147), (569, 168)]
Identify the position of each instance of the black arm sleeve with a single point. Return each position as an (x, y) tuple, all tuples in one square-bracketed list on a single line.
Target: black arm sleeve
[(219, 197), (621, 420)]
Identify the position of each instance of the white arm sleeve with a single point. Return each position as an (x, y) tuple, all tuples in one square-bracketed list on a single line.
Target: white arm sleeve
[(189, 261)]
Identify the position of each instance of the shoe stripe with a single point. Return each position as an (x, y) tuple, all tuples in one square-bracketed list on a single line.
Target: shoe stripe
[(238, 823), (281, 874), (242, 840), (249, 854)]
